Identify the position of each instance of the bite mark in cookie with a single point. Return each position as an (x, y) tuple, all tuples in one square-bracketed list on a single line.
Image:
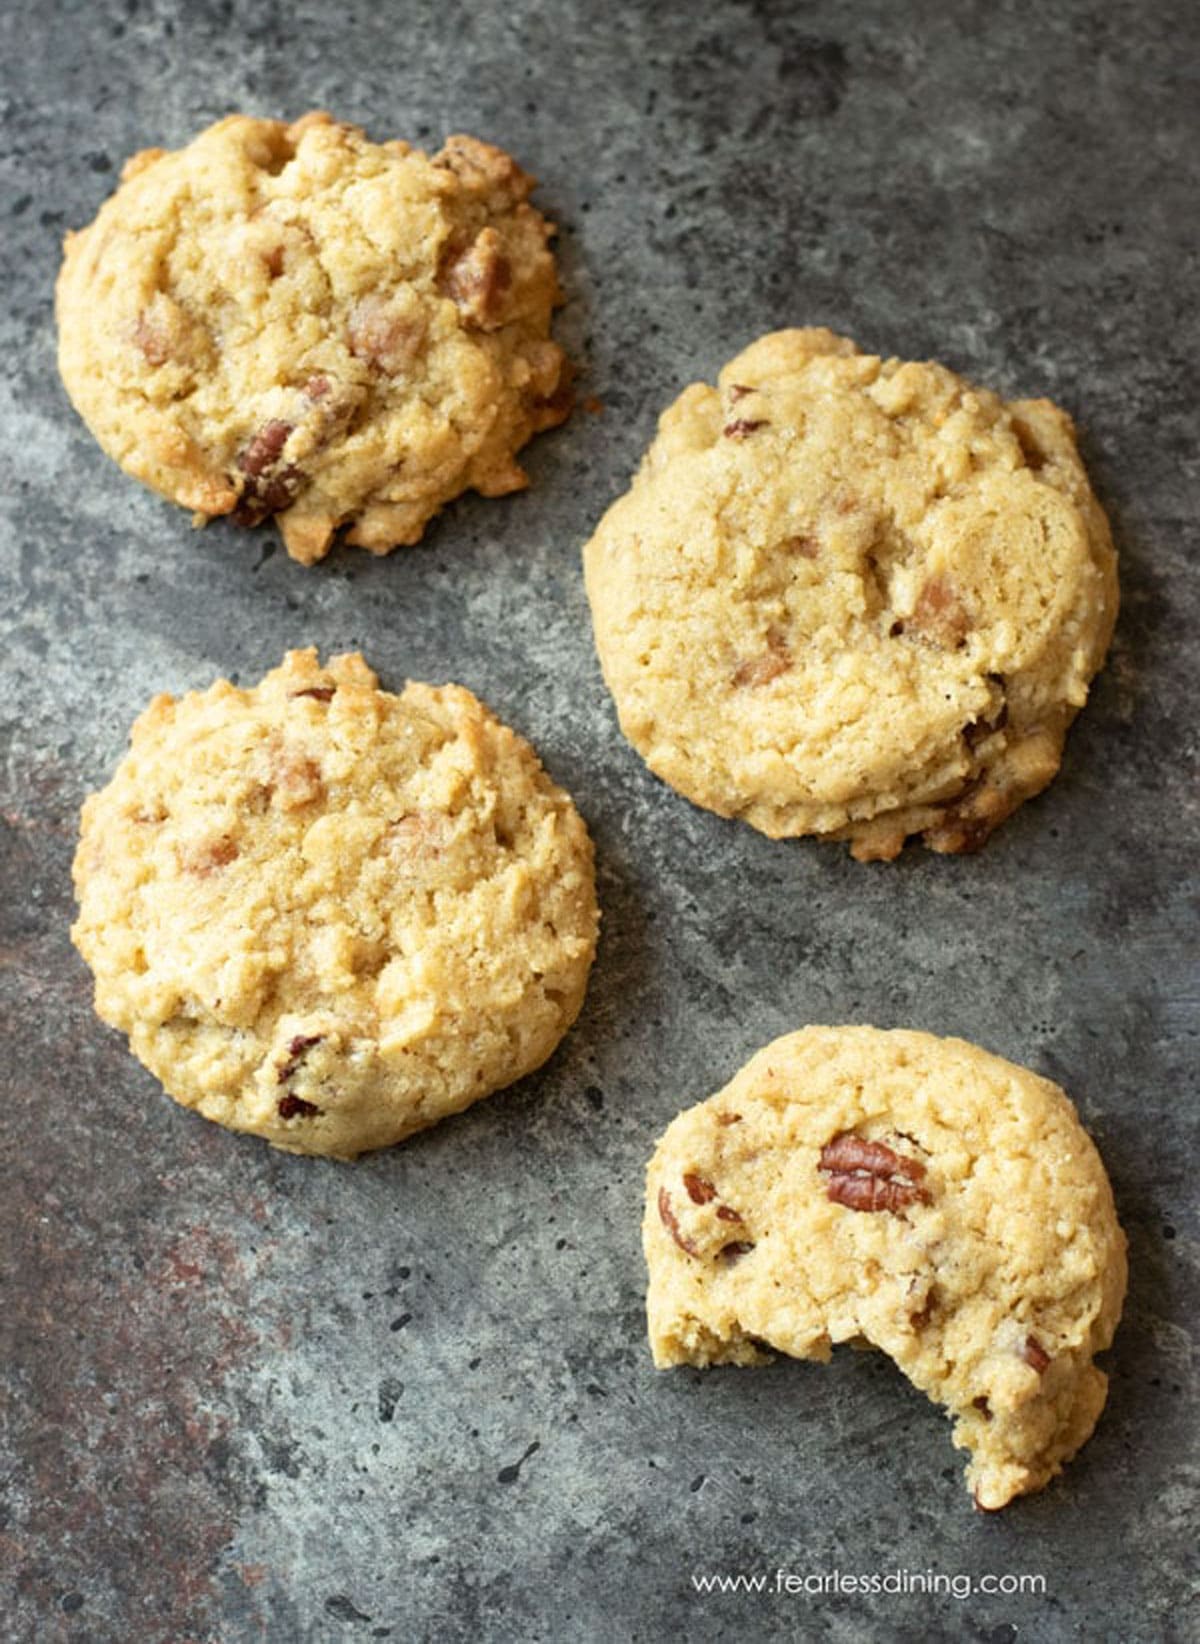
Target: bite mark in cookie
[(914, 1194)]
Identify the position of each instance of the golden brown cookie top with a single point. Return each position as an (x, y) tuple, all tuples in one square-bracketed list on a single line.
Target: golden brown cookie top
[(330, 915), (291, 320), (918, 1194), (853, 596)]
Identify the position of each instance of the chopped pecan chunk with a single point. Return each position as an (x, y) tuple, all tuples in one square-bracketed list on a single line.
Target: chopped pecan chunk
[(294, 1107), (152, 339), (866, 1175), (766, 666), (735, 1251), (296, 1052), (295, 780), (268, 486), (488, 171), (163, 333), (671, 1222), (738, 391), (323, 693), (264, 449), (729, 1118), (727, 1213), (206, 858), (698, 1190), (939, 617), (477, 278), (742, 427), (419, 834), (556, 406), (382, 335), (1035, 1355), (968, 823)]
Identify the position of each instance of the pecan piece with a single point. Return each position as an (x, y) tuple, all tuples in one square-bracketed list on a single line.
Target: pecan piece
[(698, 1190), (488, 172), (152, 339), (295, 780), (738, 391), (420, 834), (939, 617), (768, 665), (1035, 1355), (477, 278), (727, 1213), (555, 407), (671, 1222), (735, 1251), (204, 859), (267, 486), (866, 1175), (295, 1107), (296, 1052), (264, 449), (383, 336), (968, 823), (742, 427), (323, 693), (163, 333)]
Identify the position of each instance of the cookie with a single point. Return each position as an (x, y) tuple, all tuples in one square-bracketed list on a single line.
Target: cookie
[(898, 1191), (331, 916), (291, 321), (853, 597)]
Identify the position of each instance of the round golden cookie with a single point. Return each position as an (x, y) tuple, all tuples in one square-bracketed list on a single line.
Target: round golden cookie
[(330, 915), (853, 597), (903, 1192), (293, 321)]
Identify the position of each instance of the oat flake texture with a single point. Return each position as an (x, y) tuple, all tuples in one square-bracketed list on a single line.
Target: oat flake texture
[(853, 597), (293, 321), (329, 915), (897, 1191)]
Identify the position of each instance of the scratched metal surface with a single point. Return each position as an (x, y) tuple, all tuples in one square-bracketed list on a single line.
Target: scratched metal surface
[(256, 1397)]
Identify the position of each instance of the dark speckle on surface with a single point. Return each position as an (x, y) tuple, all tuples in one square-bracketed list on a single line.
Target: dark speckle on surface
[(342, 1608), (510, 1474), (215, 1429)]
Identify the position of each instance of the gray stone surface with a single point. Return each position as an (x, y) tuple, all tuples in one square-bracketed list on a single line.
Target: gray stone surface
[(256, 1397)]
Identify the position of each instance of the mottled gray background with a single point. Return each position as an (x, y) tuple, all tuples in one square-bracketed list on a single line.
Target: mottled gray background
[(257, 1397)]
